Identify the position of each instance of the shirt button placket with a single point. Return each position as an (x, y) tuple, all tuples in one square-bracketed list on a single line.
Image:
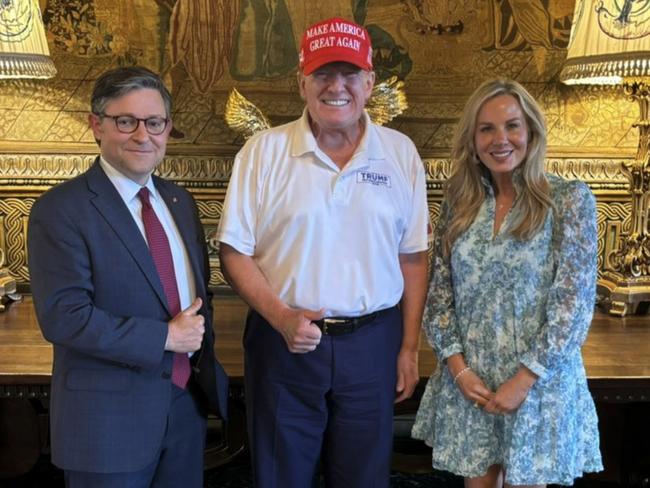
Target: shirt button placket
[(337, 191)]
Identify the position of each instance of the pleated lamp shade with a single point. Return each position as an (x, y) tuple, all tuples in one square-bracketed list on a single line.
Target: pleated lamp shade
[(23, 46), (610, 43)]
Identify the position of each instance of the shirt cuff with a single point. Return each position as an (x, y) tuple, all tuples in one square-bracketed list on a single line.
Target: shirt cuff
[(449, 351), (531, 363)]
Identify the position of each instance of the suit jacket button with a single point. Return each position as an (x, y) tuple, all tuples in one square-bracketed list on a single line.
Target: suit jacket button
[(166, 375)]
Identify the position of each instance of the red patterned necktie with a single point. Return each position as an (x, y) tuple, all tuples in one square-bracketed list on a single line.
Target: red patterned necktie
[(162, 258)]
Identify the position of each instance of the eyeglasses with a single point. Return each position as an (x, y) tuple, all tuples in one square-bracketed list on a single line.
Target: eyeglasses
[(128, 124)]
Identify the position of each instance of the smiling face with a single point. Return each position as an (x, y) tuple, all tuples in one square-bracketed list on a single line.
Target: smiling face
[(336, 95), (135, 155), (501, 134)]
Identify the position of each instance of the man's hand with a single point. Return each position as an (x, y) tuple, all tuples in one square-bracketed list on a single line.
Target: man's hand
[(243, 273), (298, 331), (511, 394), (185, 331), (414, 271), (407, 374)]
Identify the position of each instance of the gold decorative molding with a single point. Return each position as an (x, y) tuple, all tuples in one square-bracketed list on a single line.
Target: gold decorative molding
[(598, 173), (210, 213), (38, 170), (207, 172), (437, 171)]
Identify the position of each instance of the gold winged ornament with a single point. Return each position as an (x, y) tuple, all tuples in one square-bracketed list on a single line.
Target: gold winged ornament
[(387, 101), (243, 116)]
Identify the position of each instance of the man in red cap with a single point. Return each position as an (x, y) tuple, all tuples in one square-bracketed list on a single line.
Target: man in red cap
[(324, 235)]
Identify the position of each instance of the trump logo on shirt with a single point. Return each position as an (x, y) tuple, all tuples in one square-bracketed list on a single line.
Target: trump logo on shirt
[(377, 179)]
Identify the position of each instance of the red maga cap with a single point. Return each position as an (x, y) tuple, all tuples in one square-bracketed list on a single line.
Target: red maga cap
[(334, 40)]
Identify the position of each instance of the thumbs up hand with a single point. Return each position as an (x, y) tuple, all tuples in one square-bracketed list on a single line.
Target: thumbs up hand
[(185, 331), (299, 331)]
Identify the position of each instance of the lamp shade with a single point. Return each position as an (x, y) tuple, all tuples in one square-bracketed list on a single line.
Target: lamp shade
[(610, 43), (23, 46)]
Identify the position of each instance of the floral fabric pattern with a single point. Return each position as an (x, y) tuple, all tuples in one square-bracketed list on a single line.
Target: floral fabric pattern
[(503, 302)]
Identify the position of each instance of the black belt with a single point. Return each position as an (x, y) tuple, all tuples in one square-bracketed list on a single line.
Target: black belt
[(334, 326)]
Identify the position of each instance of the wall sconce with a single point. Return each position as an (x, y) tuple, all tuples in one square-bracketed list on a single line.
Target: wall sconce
[(23, 46), (610, 45)]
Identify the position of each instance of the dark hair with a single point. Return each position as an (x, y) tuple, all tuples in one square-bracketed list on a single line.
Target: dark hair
[(119, 81)]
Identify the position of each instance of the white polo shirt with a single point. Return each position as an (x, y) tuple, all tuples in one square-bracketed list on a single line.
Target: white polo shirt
[(325, 237)]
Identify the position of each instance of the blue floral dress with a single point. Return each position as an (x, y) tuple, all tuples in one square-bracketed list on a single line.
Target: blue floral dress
[(504, 302)]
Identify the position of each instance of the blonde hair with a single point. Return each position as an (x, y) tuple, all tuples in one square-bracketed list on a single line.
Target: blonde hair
[(465, 192)]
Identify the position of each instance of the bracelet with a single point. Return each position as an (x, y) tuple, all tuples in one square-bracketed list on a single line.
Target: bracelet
[(461, 373)]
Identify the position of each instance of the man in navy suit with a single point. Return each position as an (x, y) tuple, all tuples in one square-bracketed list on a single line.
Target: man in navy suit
[(119, 274)]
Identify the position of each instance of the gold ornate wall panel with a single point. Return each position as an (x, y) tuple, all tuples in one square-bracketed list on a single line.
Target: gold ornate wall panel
[(14, 213), (28, 175), (25, 176), (203, 48)]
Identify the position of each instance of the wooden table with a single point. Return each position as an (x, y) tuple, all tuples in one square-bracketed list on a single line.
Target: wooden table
[(616, 356), (616, 353)]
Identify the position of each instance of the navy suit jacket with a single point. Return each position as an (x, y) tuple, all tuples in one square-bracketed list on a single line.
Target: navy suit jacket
[(99, 300)]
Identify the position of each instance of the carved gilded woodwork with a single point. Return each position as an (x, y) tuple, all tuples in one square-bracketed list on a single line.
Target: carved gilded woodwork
[(14, 213), (627, 286), (24, 176)]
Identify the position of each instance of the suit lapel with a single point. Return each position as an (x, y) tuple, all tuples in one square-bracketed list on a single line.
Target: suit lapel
[(184, 218), (110, 205)]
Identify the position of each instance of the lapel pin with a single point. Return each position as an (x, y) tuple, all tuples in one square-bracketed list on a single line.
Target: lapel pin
[(174, 199)]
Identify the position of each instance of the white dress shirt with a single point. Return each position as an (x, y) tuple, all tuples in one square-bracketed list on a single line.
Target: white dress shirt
[(128, 190)]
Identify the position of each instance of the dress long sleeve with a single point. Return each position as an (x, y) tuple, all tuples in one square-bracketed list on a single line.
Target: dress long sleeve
[(570, 301), (503, 302), (439, 320)]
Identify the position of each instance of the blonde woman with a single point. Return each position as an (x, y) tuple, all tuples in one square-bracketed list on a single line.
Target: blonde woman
[(509, 306)]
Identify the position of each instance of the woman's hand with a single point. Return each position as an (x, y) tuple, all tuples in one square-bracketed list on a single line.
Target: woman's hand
[(473, 388), (511, 394), (469, 383)]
